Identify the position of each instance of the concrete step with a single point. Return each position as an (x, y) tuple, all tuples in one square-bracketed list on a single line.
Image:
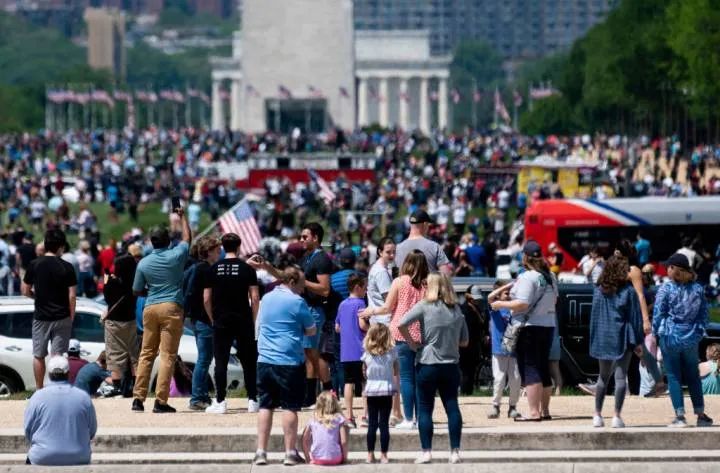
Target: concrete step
[(537, 438)]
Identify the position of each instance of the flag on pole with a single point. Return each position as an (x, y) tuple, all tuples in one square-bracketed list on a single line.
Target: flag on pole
[(500, 107), (405, 97), (204, 97), (434, 96), (477, 96), (224, 94), (326, 193), (178, 96), (240, 220), (315, 92), (517, 98), (542, 92), (122, 96), (284, 92), (455, 94), (374, 94), (344, 93), (193, 93)]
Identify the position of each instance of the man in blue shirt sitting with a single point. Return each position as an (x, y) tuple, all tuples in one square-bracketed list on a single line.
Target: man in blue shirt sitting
[(60, 420)]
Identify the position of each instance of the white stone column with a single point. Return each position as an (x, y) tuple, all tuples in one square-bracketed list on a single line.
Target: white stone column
[(404, 119), (384, 103), (424, 115), (362, 102), (442, 103), (217, 107), (236, 105)]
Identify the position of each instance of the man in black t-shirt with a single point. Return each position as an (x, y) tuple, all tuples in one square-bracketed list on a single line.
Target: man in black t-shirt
[(53, 284), (231, 299)]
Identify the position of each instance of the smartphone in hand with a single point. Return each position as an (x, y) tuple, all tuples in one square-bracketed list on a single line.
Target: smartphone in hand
[(176, 203)]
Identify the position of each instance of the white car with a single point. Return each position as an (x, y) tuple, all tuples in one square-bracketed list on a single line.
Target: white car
[(16, 359)]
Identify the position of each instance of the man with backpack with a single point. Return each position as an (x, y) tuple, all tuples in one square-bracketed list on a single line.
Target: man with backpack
[(206, 251), (231, 299)]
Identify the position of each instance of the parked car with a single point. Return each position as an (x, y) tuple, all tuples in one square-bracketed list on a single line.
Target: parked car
[(16, 372), (573, 309)]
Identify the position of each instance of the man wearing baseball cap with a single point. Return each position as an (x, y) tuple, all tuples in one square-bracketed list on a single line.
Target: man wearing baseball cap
[(419, 225), (60, 420)]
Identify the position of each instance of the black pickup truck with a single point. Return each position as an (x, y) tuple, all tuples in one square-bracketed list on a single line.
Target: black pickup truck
[(573, 308)]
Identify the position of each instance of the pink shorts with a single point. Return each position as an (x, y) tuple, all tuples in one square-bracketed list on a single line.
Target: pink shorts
[(327, 462)]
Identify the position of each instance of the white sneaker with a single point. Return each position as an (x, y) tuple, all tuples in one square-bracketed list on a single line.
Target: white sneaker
[(617, 423), (217, 407), (253, 406), (405, 425), (598, 421), (424, 459), (455, 457)]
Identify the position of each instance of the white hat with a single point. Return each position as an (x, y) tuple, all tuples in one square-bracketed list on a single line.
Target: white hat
[(74, 346), (58, 364)]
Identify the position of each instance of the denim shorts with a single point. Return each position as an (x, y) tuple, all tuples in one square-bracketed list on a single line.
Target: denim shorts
[(533, 350), (313, 342), (280, 386)]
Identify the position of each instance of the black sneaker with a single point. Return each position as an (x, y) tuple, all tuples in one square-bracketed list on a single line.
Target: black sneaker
[(137, 406), (163, 408), (292, 459)]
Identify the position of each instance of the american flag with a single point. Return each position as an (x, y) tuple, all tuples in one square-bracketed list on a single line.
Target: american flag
[(204, 97), (405, 97), (344, 93), (58, 96), (167, 95), (193, 92), (252, 91), (81, 97), (455, 96), (122, 96), (434, 96), (477, 96), (152, 97), (374, 94), (500, 107), (101, 96), (315, 92), (517, 98), (326, 193), (224, 94), (284, 92), (240, 220), (542, 92), (178, 97)]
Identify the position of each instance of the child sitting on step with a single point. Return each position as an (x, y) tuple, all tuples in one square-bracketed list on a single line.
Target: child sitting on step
[(325, 439)]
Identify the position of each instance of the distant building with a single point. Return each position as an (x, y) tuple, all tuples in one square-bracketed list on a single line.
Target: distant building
[(106, 38), (517, 29)]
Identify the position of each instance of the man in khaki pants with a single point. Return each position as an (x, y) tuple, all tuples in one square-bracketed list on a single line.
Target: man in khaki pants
[(160, 274)]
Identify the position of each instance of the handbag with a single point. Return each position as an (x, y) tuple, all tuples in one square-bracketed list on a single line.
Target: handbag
[(512, 331)]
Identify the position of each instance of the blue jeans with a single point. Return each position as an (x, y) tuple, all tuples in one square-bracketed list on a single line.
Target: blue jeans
[(204, 342), (445, 379), (682, 364), (406, 359)]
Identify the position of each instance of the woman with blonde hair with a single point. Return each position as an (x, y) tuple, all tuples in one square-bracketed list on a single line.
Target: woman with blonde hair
[(442, 332), (680, 317), (406, 291)]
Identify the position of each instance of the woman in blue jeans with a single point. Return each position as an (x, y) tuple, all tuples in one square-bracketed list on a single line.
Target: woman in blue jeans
[(207, 251), (443, 331), (679, 321)]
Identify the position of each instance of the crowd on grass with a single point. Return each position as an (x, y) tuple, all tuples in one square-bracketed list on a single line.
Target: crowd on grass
[(322, 333)]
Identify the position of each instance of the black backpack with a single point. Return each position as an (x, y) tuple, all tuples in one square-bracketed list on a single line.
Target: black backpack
[(188, 289)]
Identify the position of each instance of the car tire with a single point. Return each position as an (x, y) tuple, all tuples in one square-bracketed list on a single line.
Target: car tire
[(8, 385)]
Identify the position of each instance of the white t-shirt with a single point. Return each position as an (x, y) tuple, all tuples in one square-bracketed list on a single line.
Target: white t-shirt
[(586, 263), (531, 288), (503, 199)]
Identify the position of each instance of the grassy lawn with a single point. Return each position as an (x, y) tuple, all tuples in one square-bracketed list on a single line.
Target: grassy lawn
[(715, 314)]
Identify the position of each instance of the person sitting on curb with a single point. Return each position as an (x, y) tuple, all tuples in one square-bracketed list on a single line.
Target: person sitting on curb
[(60, 421)]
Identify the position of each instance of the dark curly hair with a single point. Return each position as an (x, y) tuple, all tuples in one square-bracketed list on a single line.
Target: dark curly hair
[(614, 275)]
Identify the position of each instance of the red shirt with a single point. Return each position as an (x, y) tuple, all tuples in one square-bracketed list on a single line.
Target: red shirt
[(106, 259), (75, 365)]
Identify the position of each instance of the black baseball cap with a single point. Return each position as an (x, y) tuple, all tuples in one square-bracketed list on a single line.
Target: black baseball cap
[(420, 216), (678, 260), (532, 249), (347, 255)]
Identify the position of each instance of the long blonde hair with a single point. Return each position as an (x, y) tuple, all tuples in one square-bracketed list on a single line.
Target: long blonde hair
[(439, 288), (327, 409), (378, 340)]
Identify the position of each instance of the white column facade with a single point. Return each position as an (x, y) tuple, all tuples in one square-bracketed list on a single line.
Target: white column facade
[(362, 102), (424, 122), (403, 96), (384, 102), (217, 122), (442, 103), (236, 105)]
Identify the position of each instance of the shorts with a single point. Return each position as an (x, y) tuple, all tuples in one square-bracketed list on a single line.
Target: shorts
[(353, 372), (57, 332), (328, 340), (280, 386), (313, 342), (555, 352), (121, 345), (533, 350)]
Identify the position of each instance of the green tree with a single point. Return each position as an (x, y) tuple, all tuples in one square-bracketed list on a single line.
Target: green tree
[(553, 115)]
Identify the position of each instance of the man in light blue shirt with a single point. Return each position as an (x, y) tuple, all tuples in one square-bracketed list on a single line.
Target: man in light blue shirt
[(159, 276), (283, 319), (60, 420)]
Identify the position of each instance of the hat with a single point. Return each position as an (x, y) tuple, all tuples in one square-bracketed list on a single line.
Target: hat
[(58, 365), (475, 293), (532, 249), (420, 216), (74, 346), (347, 255), (678, 260)]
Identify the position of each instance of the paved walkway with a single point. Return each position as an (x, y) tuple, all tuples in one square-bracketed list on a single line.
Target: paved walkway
[(567, 411)]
